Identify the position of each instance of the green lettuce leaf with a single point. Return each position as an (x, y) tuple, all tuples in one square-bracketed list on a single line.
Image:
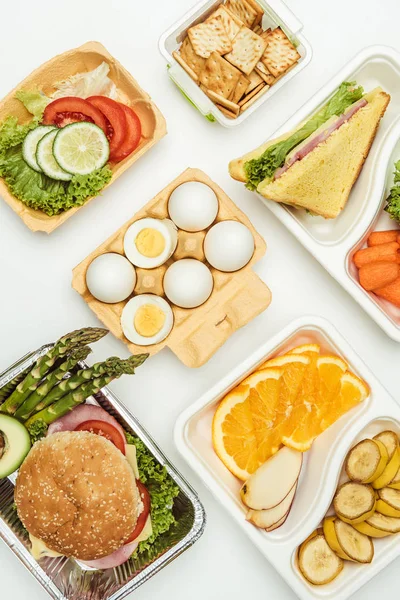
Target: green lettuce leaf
[(12, 133), (34, 101), (162, 490), (274, 157), (393, 200)]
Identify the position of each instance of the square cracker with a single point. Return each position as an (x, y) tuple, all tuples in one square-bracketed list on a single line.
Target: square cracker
[(219, 76), (185, 66), (263, 72), (260, 13), (231, 24), (210, 36), (280, 54), (247, 49), (240, 88), (242, 9), (254, 81), (193, 60), (232, 106)]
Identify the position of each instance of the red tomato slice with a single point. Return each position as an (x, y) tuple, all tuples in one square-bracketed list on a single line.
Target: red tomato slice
[(133, 134), (116, 116), (105, 430), (67, 110), (142, 518)]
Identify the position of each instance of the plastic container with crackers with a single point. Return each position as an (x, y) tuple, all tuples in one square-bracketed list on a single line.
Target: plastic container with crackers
[(192, 283), (228, 57)]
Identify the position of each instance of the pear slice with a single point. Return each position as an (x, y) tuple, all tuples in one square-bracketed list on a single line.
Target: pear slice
[(354, 502), (268, 518), (384, 523), (331, 537), (366, 461), (278, 524), (390, 440), (389, 502), (317, 562), (354, 544), (371, 531), (389, 473), (273, 481)]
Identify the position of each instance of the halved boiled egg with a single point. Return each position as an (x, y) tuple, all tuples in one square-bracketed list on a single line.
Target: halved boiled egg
[(148, 243), (147, 320)]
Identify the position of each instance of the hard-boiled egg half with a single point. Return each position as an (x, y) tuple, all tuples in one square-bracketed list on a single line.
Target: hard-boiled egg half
[(148, 243), (147, 320), (110, 278)]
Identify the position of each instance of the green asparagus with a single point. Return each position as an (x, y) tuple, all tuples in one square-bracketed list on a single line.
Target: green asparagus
[(44, 364), (60, 408), (51, 381)]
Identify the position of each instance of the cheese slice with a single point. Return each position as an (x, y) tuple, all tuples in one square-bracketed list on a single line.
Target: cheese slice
[(40, 550), (130, 453)]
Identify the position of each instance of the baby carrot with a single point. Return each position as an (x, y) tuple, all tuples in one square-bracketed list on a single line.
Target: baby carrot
[(378, 275), (390, 292), (381, 253), (383, 237)]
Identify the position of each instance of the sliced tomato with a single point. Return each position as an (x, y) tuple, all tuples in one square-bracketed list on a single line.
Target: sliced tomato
[(116, 116), (132, 136), (70, 109), (142, 518), (105, 430)]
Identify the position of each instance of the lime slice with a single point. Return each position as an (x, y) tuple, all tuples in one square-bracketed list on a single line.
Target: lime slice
[(31, 141), (45, 158), (81, 148)]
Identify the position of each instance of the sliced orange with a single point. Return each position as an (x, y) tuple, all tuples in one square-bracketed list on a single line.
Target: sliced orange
[(330, 371), (352, 391), (243, 419), (308, 349)]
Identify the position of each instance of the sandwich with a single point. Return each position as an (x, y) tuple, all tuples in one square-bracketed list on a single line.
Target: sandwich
[(316, 165)]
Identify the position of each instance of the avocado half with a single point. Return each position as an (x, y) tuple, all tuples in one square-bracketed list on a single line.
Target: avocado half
[(15, 444)]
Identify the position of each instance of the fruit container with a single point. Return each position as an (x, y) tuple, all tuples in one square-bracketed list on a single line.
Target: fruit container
[(276, 13), (63, 578), (85, 58), (197, 333), (333, 242), (322, 465)]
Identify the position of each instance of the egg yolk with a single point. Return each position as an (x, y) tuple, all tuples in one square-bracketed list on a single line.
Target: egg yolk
[(150, 242), (149, 320)]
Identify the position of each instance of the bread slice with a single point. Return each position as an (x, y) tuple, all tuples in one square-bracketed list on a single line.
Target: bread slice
[(323, 180)]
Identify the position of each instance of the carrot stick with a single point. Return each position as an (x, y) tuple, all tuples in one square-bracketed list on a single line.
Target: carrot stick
[(378, 275), (382, 253), (390, 292), (383, 237)]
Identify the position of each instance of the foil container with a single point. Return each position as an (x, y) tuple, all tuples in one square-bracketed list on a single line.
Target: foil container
[(65, 579)]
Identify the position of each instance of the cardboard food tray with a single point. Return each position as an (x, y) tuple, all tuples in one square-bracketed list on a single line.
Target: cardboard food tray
[(78, 60), (333, 242), (322, 465), (63, 578), (197, 333)]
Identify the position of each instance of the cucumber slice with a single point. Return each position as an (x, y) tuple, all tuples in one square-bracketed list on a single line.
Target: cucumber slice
[(15, 444), (29, 147), (81, 148), (46, 160)]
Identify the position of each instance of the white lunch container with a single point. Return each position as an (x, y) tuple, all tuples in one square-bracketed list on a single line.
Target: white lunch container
[(333, 242), (276, 13), (322, 467)]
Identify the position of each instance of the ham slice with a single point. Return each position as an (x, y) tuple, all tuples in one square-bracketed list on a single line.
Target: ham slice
[(320, 138), (113, 560), (80, 414)]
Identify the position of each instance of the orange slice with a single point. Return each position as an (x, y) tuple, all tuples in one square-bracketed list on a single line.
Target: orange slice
[(352, 391), (243, 419), (309, 349)]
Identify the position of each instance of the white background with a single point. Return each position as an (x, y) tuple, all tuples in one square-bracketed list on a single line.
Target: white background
[(37, 303)]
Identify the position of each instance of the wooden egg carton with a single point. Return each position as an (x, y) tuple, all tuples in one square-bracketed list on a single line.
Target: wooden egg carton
[(237, 297), (85, 58)]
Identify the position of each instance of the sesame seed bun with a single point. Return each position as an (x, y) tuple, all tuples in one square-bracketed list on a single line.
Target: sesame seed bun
[(77, 493)]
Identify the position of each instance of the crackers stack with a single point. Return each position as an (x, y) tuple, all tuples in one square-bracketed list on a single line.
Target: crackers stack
[(232, 58)]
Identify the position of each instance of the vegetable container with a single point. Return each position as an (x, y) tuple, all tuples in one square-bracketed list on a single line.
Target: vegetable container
[(333, 242), (85, 58), (322, 465), (63, 578), (276, 13)]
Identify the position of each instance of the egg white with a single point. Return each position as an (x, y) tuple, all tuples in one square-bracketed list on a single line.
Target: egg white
[(193, 206), (188, 283), (110, 278), (228, 246), (167, 229), (128, 316)]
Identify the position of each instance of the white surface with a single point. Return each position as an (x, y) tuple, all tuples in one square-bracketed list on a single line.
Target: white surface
[(37, 303)]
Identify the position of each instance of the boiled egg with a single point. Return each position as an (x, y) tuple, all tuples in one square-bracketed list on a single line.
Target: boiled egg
[(110, 278), (148, 243), (193, 206), (147, 319), (228, 246), (188, 283)]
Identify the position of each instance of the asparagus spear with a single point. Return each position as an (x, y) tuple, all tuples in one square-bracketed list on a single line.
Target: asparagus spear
[(78, 396), (50, 382), (44, 364)]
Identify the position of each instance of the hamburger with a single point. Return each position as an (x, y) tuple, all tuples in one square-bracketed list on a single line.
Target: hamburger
[(77, 493)]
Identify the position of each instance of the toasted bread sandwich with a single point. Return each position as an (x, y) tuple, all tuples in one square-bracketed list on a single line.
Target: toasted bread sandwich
[(316, 165)]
